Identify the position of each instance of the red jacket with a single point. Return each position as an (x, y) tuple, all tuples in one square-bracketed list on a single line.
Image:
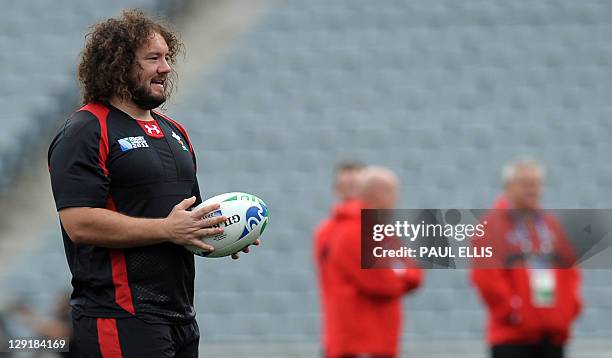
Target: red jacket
[(362, 308), (322, 238), (512, 315)]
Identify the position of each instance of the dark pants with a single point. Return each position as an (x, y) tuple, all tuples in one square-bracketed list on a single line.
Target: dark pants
[(542, 349), (133, 338)]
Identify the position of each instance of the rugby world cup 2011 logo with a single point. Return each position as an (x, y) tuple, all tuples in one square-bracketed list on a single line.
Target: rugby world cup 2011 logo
[(254, 216)]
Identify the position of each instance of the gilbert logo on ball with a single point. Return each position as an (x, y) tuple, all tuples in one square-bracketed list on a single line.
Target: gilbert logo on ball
[(247, 218)]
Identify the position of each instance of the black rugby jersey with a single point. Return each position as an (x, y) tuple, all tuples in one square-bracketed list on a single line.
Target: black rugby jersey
[(104, 158)]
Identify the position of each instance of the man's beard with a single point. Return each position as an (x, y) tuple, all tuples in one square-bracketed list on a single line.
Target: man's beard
[(143, 98)]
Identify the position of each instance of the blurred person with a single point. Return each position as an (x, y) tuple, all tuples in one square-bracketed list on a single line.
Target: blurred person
[(346, 178), (345, 190), (124, 180), (364, 305), (57, 326), (532, 293)]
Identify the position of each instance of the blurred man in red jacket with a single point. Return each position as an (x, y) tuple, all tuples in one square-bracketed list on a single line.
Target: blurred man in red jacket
[(364, 305), (531, 288), (345, 189)]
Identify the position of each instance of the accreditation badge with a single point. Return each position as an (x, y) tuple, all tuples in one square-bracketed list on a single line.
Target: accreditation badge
[(543, 281)]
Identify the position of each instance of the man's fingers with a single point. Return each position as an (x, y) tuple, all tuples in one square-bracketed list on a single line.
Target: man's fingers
[(246, 250), (199, 244), (208, 231), (201, 212), (186, 204), (204, 223), (235, 256)]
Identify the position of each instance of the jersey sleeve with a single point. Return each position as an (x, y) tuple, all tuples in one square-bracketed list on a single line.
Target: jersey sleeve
[(77, 176)]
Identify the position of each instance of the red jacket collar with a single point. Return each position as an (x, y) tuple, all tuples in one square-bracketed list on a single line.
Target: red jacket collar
[(348, 209)]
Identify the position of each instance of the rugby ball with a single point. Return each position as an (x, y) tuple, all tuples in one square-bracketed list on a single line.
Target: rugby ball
[(247, 218)]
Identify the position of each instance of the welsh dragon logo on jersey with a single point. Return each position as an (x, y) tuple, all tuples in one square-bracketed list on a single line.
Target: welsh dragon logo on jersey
[(180, 140)]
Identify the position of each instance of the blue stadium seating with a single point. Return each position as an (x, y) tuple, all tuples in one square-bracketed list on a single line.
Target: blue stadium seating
[(444, 93), (41, 41)]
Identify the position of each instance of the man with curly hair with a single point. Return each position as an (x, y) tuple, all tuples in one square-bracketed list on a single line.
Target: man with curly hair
[(124, 178)]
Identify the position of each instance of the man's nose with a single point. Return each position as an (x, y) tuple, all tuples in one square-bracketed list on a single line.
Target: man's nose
[(164, 67)]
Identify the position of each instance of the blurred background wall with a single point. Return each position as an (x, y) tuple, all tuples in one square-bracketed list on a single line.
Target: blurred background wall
[(275, 93)]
